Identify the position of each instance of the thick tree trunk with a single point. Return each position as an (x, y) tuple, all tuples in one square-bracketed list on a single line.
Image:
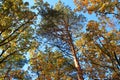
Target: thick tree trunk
[(74, 54), (76, 63)]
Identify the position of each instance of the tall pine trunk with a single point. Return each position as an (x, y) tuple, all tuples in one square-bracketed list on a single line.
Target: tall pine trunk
[(74, 54)]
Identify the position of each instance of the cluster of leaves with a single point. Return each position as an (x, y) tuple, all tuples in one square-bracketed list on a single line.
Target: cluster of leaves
[(15, 36), (101, 6), (100, 48), (56, 21), (100, 44), (52, 65)]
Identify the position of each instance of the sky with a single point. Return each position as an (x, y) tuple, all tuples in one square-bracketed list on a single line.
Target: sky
[(52, 2)]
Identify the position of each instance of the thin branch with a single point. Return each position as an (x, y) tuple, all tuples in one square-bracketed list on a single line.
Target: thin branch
[(2, 42), (11, 54), (3, 51), (116, 59)]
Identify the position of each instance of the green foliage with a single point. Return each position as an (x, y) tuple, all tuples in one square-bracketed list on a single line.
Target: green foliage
[(55, 20), (97, 49), (51, 65), (101, 53), (15, 36), (99, 45), (57, 23), (61, 27)]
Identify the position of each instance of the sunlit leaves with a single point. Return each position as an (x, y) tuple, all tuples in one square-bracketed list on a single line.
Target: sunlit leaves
[(100, 49), (100, 6), (100, 43), (92, 25), (51, 65), (15, 35)]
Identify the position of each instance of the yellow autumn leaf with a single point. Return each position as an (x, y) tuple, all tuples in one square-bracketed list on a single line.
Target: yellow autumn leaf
[(102, 8), (91, 8), (85, 2), (98, 1)]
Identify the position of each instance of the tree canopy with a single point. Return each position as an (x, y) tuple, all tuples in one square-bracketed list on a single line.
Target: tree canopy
[(58, 43), (100, 43), (15, 37)]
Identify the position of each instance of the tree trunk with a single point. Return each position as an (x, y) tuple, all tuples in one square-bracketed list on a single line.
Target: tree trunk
[(76, 61)]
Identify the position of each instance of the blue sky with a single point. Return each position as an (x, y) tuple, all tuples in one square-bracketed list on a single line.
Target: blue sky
[(67, 2), (52, 2)]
